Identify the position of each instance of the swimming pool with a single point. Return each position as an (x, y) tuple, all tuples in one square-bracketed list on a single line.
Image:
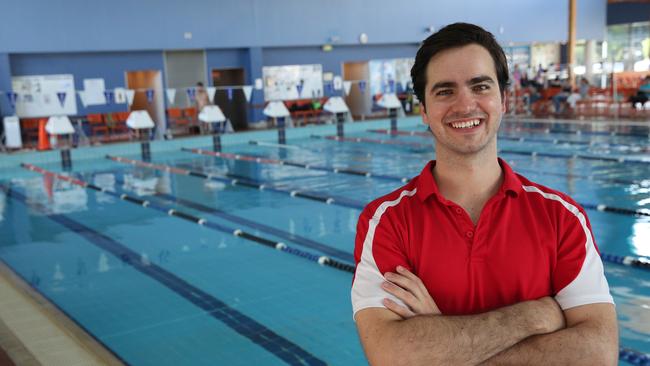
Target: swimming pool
[(151, 269)]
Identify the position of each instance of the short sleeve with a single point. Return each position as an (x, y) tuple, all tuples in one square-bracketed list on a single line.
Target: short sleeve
[(378, 249), (578, 278)]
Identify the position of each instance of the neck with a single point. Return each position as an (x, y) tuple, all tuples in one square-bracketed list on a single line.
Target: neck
[(468, 178)]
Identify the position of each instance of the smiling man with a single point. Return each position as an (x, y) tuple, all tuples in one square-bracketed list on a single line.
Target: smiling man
[(471, 263)]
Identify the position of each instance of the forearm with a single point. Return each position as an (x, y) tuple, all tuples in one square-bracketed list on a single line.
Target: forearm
[(583, 344), (461, 340)]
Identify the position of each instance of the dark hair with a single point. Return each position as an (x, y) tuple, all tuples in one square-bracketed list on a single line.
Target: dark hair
[(199, 84), (453, 36)]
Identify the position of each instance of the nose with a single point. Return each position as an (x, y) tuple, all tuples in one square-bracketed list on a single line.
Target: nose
[(465, 102)]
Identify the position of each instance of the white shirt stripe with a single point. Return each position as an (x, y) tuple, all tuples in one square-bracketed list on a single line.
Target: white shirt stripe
[(590, 285), (366, 289)]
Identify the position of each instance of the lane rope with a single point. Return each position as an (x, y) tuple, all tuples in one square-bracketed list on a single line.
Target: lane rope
[(319, 259), (297, 164)]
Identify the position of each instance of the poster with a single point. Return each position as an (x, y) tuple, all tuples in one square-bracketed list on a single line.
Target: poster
[(292, 82), (94, 92), (37, 95)]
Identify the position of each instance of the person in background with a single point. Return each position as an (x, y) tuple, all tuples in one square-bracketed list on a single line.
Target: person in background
[(642, 94), (516, 77), (579, 93), (584, 88), (201, 99), (561, 98), (531, 96)]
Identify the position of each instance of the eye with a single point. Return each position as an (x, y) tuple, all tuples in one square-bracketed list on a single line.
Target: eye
[(481, 87), (444, 92)]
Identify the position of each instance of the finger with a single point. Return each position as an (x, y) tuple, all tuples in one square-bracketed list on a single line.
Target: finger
[(405, 283), (405, 272), (406, 296), (408, 274), (397, 309)]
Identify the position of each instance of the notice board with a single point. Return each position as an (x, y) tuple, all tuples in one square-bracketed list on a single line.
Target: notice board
[(292, 82), (37, 95)]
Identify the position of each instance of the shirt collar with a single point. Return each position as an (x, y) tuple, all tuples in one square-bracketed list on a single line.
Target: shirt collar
[(427, 186)]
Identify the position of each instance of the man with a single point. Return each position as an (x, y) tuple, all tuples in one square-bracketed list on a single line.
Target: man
[(202, 99), (470, 263)]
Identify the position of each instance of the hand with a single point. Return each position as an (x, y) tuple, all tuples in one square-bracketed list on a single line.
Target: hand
[(550, 316), (409, 288)]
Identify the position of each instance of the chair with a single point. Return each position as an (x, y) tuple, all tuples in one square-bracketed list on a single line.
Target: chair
[(120, 130), (191, 115), (177, 122), (97, 126), (29, 130)]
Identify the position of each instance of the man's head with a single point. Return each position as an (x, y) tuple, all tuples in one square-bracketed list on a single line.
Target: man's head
[(453, 36), (460, 76)]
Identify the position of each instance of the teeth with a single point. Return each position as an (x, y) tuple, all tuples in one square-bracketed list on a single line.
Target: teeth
[(466, 124)]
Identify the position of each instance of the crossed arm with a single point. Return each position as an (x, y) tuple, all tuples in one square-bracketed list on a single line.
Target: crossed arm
[(530, 332)]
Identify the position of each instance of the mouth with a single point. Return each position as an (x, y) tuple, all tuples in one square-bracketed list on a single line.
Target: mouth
[(466, 124)]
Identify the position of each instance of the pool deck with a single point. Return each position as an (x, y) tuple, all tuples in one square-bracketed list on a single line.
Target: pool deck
[(34, 332)]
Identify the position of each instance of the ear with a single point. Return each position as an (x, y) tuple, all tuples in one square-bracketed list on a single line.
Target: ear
[(504, 102), (423, 114)]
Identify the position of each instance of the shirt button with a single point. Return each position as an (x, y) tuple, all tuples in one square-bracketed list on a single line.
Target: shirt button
[(469, 234), (458, 210)]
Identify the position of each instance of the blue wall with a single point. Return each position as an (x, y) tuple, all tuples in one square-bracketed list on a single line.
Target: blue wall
[(103, 39), (332, 61), (5, 84), (82, 25), (110, 66)]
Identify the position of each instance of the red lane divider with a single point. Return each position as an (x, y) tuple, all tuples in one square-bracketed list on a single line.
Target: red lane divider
[(297, 164), (166, 168), (402, 133), (377, 141), (66, 178), (254, 159)]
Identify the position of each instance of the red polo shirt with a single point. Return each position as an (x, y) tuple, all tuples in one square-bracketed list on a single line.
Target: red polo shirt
[(530, 242)]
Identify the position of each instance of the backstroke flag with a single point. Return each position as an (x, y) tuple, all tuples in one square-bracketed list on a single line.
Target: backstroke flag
[(248, 91), (346, 87), (211, 91), (149, 93), (191, 93), (130, 94), (362, 86), (109, 96), (171, 95), (61, 96), (13, 97)]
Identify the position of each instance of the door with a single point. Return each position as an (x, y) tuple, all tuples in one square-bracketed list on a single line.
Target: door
[(183, 70), (141, 81), (234, 107), (360, 104)]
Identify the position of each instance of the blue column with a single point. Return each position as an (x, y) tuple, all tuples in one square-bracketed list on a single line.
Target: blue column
[(5, 85), (254, 63)]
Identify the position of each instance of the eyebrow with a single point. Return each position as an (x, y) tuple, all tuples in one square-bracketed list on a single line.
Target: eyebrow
[(472, 81)]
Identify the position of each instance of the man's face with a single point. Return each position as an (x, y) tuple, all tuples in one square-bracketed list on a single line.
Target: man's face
[(463, 102)]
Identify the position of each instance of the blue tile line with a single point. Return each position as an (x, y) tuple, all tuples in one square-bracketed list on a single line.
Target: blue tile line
[(21, 198), (242, 324), (296, 164), (268, 229), (306, 242), (243, 180)]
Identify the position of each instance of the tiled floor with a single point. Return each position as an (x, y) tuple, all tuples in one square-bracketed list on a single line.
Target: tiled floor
[(30, 337)]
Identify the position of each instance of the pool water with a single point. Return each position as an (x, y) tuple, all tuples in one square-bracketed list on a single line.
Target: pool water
[(157, 289)]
